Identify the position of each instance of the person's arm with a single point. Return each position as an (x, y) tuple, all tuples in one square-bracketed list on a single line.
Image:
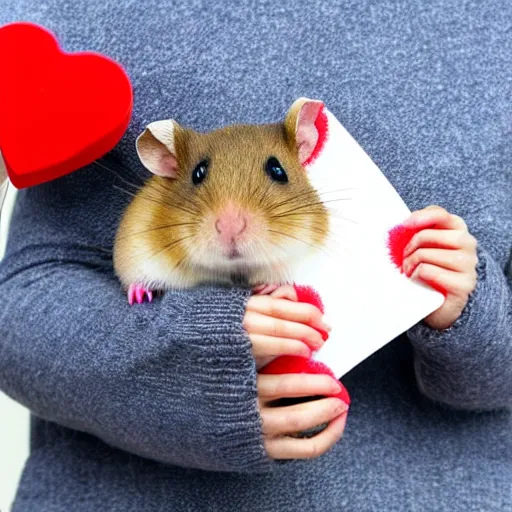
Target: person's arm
[(469, 364), (168, 381), (173, 381)]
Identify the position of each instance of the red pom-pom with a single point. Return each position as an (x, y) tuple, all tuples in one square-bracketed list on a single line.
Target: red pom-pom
[(296, 364), (309, 295), (398, 238)]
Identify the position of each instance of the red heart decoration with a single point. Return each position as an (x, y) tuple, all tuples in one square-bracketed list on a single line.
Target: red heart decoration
[(58, 111)]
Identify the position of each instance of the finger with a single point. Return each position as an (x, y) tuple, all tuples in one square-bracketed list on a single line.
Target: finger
[(256, 323), (441, 239), (264, 289), (291, 419), (291, 448), (272, 387), (288, 310), (268, 346), (285, 292), (261, 362), (447, 282), (456, 260), (258, 289), (434, 216)]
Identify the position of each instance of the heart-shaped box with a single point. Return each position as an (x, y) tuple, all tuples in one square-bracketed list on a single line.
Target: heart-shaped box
[(58, 111)]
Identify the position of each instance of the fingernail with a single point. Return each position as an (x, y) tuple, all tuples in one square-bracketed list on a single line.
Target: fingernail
[(341, 407), (319, 344), (324, 334), (336, 387), (305, 352), (326, 326)]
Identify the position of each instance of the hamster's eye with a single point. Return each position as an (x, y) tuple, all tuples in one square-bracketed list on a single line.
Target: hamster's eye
[(200, 172), (275, 170)]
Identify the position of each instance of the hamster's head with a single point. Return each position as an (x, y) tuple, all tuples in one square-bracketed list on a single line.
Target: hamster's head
[(236, 200)]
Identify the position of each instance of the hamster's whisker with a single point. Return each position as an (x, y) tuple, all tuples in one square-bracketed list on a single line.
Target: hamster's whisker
[(129, 192), (321, 248), (308, 209), (158, 228), (313, 194), (298, 225), (288, 201), (335, 191), (316, 203), (186, 210), (314, 246), (132, 193), (149, 199), (180, 262), (170, 246), (124, 180), (162, 184), (337, 200), (169, 206), (300, 214), (326, 246)]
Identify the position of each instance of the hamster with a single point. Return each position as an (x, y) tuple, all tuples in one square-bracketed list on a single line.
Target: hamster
[(230, 206)]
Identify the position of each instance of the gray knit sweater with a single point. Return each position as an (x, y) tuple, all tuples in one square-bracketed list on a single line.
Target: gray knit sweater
[(154, 408)]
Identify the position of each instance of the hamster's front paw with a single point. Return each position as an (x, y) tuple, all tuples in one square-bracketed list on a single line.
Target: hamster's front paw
[(137, 293)]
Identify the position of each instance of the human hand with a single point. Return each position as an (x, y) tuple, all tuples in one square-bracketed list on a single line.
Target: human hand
[(443, 254), (280, 423), (279, 325)]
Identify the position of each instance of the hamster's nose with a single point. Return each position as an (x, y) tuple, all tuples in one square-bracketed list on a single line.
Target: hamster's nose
[(230, 225)]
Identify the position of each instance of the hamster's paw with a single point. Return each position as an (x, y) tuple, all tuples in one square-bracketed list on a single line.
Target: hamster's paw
[(264, 289), (137, 293)]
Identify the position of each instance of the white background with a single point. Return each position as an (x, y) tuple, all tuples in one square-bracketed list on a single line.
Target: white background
[(14, 424)]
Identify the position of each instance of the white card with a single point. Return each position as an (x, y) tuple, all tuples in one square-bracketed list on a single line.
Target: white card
[(368, 301)]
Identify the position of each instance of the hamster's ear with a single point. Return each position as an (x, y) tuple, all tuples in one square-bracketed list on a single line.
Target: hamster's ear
[(156, 148), (301, 127)]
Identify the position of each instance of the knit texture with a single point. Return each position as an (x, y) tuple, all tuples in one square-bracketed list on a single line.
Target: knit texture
[(154, 408)]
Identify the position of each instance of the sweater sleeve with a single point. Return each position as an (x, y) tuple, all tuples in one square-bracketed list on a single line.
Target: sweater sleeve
[(173, 381), (469, 365)]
